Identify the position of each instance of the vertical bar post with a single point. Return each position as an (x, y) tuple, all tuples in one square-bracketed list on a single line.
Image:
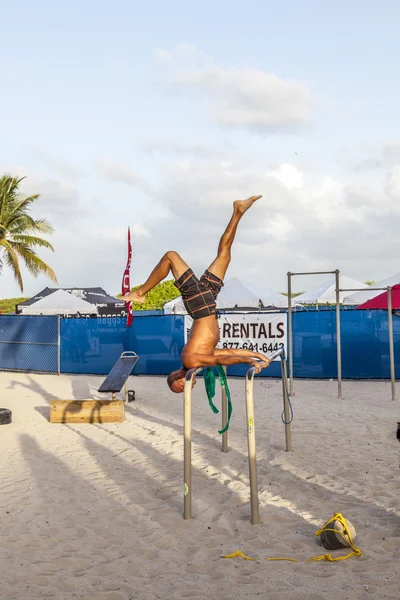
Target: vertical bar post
[(126, 390), (290, 332), (286, 411), (391, 344), (224, 416), (338, 340), (187, 447), (251, 444), (59, 345)]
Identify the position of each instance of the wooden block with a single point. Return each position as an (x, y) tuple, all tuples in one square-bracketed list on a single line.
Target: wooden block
[(87, 411)]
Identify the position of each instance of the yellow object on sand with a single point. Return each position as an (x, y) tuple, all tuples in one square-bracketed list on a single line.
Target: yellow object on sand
[(345, 534)]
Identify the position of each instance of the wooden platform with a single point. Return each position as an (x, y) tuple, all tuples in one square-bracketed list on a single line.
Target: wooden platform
[(87, 411)]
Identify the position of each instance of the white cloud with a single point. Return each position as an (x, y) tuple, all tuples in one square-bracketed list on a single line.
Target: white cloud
[(119, 173), (239, 97)]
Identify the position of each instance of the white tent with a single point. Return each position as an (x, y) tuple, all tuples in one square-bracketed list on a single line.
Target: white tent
[(361, 297), (326, 294), (236, 293), (60, 303)]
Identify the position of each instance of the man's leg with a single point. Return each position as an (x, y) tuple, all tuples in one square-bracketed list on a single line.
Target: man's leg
[(221, 263), (171, 261)]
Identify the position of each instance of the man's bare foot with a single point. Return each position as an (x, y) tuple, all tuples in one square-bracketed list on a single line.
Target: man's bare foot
[(134, 297), (243, 205)]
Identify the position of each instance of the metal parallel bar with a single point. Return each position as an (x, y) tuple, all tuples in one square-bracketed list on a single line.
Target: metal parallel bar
[(251, 444), (224, 417), (391, 344), (290, 331), (187, 443), (276, 354), (288, 433), (361, 289), (338, 336), (315, 273)]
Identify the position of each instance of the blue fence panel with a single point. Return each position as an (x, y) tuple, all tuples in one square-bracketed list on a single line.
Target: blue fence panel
[(94, 345), (364, 344), (29, 343)]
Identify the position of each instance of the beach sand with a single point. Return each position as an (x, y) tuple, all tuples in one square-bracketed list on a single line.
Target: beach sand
[(95, 511)]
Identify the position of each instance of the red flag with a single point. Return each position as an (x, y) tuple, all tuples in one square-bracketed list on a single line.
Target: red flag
[(126, 281)]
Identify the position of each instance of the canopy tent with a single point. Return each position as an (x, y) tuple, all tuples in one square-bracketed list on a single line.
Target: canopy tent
[(105, 304), (236, 293), (60, 303), (381, 301), (326, 294), (361, 297)]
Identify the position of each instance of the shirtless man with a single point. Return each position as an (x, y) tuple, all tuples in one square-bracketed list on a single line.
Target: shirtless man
[(199, 298)]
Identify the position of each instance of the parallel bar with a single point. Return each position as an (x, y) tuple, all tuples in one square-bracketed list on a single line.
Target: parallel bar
[(286, 411), (224, 417), (251, 444), (316, 273), (187, 443), (338, 336), (361, 289), (290, 331), (276, 354), (391, 344)]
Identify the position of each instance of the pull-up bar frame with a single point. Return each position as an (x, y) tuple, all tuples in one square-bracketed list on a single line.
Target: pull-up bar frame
[(388, 289), (251, 435), (290, 317)]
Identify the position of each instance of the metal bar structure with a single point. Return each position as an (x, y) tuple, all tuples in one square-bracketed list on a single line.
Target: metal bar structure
[(286, 412), (251, 437), (59, 345), (290, 320), (224, 416), (390, 333), (391, 344), (187, 437), (338, 339)]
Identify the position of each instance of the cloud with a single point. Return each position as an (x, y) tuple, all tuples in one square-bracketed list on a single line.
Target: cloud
[(199, 150), (306, 222), (119, 173), (57, 167), (238, 97), (388, 157)]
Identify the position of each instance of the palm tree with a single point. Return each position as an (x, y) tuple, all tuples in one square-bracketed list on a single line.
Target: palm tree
[(18, 239)]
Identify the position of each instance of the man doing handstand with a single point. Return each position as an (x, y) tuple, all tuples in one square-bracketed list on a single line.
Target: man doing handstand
[(199, 297)]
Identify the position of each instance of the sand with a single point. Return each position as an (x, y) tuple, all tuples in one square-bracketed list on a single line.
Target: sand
[(95, 511)]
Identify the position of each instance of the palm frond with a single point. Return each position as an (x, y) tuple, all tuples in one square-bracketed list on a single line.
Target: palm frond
[(11, 259)]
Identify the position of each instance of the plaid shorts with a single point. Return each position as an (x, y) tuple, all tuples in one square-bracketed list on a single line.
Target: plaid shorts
[(199, 295)]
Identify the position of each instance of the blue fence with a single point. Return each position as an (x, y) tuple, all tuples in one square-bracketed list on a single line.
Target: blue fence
[(29, 343), (93, 345)]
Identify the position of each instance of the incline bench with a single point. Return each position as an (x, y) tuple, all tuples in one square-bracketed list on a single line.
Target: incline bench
[(119, 375), (99, 411)]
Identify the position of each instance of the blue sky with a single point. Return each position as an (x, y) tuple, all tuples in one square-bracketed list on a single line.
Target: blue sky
[(156, 115)]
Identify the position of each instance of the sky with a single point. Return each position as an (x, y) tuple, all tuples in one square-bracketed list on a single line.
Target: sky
[(157, 115)]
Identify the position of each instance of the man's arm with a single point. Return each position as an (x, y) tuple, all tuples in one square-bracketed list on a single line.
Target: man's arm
[(194, 361), (241, 352)]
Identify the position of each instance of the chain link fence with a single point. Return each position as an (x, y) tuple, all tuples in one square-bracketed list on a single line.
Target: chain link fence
[(30, 343)]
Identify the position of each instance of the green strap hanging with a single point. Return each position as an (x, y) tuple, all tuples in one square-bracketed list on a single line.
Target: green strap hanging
[(209, 380)]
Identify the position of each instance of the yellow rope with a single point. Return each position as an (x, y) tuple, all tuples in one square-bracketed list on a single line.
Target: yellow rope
[(345, 535)]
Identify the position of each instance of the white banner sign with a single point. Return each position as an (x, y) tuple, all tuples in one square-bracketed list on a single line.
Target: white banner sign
[(262, 332)]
